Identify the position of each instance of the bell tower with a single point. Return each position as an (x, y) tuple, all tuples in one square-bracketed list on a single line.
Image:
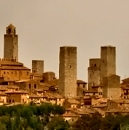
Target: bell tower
[(11, 43)]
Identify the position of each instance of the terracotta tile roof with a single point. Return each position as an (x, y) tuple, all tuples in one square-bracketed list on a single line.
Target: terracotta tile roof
[(120, 100), (73, 101), (54, 82), (53, 95), (25, 80), (44, 85), (6, 87), (99, 106), (36, 96), (117, 111), (69, 114), (3, 94), (10, 63), (81, 82), (13, 68), (126, 79), (36, 74), (125, 87), (83, 111), (16, 92)]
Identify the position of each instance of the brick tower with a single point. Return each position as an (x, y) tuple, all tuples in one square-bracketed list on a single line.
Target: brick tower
[(11, 43), (68, 71)]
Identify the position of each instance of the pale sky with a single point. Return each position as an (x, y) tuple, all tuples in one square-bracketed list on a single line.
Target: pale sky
[(45, 25)]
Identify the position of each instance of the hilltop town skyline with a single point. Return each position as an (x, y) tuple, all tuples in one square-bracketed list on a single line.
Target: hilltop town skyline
[(86, 25)]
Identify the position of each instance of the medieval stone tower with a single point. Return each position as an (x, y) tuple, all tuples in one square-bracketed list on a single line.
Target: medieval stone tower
[(68, 71), (111, 87), (94, 72), (108, 61), (38, 66), (11, 43)]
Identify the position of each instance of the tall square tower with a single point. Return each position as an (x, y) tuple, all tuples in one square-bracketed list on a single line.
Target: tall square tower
[(111, 87), (38, 66), (108, 61), (68, 71), (94, 72), (11, 43)]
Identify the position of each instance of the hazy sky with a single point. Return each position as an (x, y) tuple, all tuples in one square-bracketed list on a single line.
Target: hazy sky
[(45, 25)]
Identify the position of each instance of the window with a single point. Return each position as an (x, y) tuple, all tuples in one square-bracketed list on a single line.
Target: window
[(70, 66), (34, 85), (4, 72), (9, 31), (11, 72), (29, 86), (27, 73), (15, 72)]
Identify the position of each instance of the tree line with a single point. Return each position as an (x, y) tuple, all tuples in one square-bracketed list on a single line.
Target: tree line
[(97, 122), (31, 117), (49, 117)]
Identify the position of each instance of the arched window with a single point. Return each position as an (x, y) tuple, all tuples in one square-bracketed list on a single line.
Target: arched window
[(9, 31)]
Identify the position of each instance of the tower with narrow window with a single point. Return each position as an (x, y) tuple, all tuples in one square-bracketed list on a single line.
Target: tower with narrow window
[(108, 61), (11, 43), (38, 66), (68, 71), (94, 72)]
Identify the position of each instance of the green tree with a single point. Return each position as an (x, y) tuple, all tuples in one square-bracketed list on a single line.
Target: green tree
[(2, 126), (110, 122), (83, 123), (58, 123)]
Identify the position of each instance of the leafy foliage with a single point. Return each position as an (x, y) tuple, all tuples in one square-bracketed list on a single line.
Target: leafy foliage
[(58, 123), (29, 117), (97, 122)]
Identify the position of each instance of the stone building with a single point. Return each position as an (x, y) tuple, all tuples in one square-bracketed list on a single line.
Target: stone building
[(111, 87), (68, 71), (11, 43), (28, 84), (38, 66), (17, 97), (108, 61), (94, 72), (12, 70), (49, 76)]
